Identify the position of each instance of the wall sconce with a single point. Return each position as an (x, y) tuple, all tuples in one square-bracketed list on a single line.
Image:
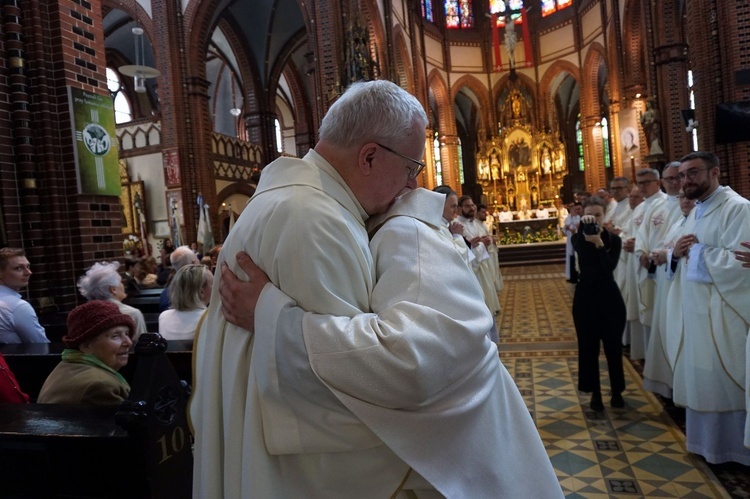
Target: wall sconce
[(138, 71)]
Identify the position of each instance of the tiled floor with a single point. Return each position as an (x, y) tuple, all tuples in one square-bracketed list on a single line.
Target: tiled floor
[(637, 451)]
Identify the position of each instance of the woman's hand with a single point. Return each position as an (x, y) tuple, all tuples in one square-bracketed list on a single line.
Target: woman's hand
[(239, 298)]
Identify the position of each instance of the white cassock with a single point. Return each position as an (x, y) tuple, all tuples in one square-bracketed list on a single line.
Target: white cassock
[(460, 244), (650, 234), (474, 228), (657, 371), (706, 338), (497, 277), (621, 221), (636, 278), (609, 213)]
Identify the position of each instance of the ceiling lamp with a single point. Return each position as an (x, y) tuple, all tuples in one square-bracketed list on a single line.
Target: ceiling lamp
[(138, 71)]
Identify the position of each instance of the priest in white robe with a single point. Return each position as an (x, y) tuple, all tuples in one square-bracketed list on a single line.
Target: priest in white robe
[(707, 339), (477, 238), (452, 227), (497, 276), (259, 430), (648, 184), (657, 370), (629, 287)]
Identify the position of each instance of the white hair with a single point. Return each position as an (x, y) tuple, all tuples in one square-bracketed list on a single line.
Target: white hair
[(95, 284)]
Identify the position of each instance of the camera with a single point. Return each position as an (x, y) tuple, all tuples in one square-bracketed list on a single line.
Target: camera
[(590, 229)]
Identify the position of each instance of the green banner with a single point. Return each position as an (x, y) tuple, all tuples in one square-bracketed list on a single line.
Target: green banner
[(95, 142)]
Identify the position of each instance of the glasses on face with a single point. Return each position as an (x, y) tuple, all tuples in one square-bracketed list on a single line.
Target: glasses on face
[(690, 174), (675, 178), (413, 170), (644, 183)]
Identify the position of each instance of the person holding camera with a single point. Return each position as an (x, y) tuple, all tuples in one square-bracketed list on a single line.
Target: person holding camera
[(598, 307)]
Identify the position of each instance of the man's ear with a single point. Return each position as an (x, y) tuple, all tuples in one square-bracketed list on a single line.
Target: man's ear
[(366, 155)]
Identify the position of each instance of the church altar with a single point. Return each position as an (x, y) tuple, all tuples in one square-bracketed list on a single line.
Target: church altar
[(533, 230)]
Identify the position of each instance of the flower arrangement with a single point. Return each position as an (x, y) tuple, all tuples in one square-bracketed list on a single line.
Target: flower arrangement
[(528, 237)]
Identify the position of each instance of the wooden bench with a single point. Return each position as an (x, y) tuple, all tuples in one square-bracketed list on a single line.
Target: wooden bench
[(147, 300), (140, 449), (32, 362)]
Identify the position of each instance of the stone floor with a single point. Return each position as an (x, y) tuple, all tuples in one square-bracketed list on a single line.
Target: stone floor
[(637, 451)]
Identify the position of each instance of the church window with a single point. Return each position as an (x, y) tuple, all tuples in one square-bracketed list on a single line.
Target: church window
[(427, 10), (499, 7), (690, 83), (123, 109), (552, 6), (279, 141), (579, 143), (460, 162), (438, 163), (605, 143), (459, 14)]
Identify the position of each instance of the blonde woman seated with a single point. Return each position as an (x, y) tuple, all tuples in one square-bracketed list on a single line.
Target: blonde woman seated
[(98, 340), (103, 282), (189, 293)]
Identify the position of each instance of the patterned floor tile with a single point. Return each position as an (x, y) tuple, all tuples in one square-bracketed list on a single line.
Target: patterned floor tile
[(636, 451)]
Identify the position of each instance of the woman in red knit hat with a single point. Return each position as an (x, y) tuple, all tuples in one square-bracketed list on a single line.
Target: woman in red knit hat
[(98, 340)]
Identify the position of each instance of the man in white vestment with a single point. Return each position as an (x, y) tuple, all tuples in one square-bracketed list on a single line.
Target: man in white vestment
[(657, 371), (629, 287), (541, 212), (744, 258), (606, 195), (497, 277), (505, 215), (643, 226), (477, 237), (458, 421), (711, 297), (616, 224), (452, 227)]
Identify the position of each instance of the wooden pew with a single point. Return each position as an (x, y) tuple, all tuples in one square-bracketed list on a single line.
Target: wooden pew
[(147, 300), (140, 449), (32, 362)]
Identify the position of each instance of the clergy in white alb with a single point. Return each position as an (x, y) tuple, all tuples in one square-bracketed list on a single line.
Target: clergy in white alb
[(707, 339), (629, 290), (648, 184), (475, 235), (657, 370)]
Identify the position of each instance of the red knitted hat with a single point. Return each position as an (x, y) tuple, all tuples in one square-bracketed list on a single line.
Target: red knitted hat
[(87, 321)]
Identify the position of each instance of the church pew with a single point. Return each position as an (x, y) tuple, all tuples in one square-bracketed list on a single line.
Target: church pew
[(139, 449), (32, 362)]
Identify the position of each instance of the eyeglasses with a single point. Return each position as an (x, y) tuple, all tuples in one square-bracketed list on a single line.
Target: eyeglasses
[(676, 178), (691, 173), (643, 183), (413, 170)]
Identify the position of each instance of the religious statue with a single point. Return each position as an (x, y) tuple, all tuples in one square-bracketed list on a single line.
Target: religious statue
[(651, 122), (515, 106), (546, 160), (494, 165), (510, 41), (484, 171)]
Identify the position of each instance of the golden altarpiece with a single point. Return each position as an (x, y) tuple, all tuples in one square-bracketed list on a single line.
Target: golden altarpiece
[(520, 167)]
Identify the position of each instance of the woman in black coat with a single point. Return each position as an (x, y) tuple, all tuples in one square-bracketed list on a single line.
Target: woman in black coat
[(598, 307)]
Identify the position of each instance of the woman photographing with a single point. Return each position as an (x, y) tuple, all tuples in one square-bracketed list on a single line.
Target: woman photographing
[(598, 308)]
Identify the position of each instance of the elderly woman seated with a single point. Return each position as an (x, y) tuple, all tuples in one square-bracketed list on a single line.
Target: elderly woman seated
[(189, 293), (98, 340), (103, 282)]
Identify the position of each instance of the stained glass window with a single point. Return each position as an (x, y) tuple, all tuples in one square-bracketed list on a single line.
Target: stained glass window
[(498, 7), (579, 143), (438, 164), (605, 143), (460, 162), (552, 6), (459, 14), (427, 10), (692, 106)]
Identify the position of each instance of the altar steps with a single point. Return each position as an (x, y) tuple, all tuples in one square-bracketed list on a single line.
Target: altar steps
[(516, 255)]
